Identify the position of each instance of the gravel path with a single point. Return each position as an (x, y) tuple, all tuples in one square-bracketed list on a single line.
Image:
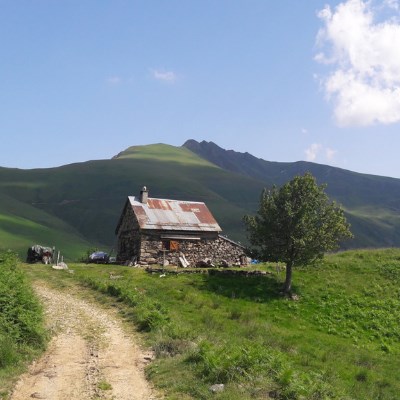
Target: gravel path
[(89, 357)]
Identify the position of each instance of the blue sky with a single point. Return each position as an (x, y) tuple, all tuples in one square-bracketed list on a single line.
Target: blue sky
[(284, 80)]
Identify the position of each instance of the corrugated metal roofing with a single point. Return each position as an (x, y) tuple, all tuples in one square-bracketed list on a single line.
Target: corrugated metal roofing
[(175, 215)]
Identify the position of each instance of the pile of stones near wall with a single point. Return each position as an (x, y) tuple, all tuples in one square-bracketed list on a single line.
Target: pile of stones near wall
[(210, 271), (217, 252)]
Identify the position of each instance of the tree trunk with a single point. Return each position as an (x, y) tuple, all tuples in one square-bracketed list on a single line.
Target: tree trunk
[(288, 281)]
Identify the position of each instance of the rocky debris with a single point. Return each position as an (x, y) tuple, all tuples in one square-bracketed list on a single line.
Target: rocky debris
[(235, 272), (112, 276), (217, 388), (60, 265), (224, 263), (209, 271), (294, 297), (37, 395), (205, 263)]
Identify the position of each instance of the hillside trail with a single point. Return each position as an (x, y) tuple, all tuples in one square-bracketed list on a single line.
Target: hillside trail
[(91, 356)]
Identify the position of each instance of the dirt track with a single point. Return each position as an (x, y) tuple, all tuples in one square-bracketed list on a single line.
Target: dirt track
[(90, 356)]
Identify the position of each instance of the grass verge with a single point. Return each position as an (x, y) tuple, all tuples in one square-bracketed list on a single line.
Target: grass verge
[(22, 333)]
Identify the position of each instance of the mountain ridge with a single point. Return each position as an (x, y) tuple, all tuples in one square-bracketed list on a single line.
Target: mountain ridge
[(210, 149), (370, 201), (79, 204)]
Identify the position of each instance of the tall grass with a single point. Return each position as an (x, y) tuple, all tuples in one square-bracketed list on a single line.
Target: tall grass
[(22, 332)]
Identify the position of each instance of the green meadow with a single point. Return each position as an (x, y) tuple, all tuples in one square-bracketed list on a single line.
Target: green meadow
[(339, 340)]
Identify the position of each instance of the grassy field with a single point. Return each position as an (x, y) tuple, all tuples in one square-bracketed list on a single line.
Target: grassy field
[(340, 340)]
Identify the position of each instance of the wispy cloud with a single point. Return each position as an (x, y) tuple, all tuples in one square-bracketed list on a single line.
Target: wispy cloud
[(330, 154), (394, 4), (114, 80), (164, 76), (364, 80), (312, 151), (317, 152)]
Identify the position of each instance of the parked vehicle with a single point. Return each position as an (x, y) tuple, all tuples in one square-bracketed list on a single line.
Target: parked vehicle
[(99, 257)]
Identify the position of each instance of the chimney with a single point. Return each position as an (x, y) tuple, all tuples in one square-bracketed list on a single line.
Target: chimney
[(144, 194)]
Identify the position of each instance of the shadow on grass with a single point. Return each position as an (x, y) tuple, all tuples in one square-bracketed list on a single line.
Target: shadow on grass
[(252, 288)]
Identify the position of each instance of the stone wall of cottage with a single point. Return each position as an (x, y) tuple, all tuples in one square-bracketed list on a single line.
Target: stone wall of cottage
[(218, 250), (128, 243)]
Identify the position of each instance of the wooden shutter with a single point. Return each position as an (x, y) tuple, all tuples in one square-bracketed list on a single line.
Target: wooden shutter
[(174, 245)]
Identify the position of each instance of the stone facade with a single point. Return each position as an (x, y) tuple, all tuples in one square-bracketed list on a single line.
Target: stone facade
[(129, 237), (218, 250)]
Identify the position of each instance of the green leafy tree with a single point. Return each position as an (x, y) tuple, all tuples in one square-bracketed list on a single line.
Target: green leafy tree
[(296, 224)]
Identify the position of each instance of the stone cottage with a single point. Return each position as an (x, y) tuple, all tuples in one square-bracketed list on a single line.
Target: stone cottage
[(176, 232)]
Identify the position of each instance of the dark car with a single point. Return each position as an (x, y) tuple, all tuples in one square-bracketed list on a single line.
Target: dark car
[(99, 257)]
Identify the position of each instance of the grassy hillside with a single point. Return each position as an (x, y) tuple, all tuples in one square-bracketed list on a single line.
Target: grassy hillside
[(77, 206), (88, 197), (22, 225), (164, 153), (340, 340)]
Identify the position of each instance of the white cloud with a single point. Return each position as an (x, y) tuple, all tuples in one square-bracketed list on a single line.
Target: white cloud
[(312, 151), (317, 151), (304, 131), (165, 76), (364, 83)]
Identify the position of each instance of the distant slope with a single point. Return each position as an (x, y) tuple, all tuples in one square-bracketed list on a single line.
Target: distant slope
[(77, 206), (371, 202), (22, 225), (88, 197)]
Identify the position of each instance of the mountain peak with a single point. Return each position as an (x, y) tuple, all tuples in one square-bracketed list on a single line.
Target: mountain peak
[(194, 144)]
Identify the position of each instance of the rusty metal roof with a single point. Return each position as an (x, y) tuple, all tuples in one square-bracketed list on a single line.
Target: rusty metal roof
[(173, 215)]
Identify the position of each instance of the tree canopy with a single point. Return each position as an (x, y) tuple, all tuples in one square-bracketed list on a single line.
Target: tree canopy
[(296, 224)]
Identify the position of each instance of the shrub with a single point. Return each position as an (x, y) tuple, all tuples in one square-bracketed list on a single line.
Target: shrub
[(8, 352), (21, 316)]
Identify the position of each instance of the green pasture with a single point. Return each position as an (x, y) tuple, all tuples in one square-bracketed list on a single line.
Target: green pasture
[(339, 340)]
